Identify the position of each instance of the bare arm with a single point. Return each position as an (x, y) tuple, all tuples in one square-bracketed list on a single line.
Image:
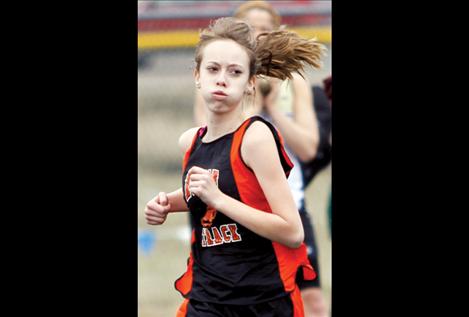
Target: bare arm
[(302, 133), (176, 201), (259, 151)]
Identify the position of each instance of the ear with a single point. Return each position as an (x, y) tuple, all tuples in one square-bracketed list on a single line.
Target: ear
[(252, 84)]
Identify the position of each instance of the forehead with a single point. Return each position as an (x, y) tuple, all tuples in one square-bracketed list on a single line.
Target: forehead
[(225, 52), (258, 18)]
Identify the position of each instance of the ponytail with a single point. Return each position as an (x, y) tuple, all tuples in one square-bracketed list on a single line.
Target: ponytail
[(280, 53)]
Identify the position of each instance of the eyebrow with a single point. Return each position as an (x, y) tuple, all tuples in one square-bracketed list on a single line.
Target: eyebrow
[(233, 64)]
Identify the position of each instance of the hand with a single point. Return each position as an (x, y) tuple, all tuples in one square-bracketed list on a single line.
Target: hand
[(203, 185), (157, 209)]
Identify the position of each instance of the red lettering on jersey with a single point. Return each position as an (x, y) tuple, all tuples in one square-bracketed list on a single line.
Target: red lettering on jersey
[(234, 232), (226, 234), (207, 237), (226, 237), (217, 236), (210, 239)]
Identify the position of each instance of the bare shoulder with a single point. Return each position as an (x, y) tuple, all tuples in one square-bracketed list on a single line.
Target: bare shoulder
[(258, 142), (185, 140), (257, 132)]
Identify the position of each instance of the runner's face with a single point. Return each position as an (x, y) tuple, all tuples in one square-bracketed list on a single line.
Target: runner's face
[(223, 75)]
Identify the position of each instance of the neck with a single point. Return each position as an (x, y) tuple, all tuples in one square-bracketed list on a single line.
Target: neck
[(219, 124)]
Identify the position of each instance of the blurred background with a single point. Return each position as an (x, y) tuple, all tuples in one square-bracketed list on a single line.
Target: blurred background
[(167, 34)]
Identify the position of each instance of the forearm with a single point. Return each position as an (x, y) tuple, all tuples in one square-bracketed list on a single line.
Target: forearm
[(268, 225), (303, 142), (176, 199)]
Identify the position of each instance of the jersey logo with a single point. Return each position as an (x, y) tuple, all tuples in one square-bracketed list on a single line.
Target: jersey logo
[(226, 234)]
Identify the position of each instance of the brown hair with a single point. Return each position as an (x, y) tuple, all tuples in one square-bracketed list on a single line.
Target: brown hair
[(243, 9), (275, 54)]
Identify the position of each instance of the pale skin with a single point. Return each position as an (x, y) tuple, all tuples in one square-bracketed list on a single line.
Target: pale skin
[(225, 68)]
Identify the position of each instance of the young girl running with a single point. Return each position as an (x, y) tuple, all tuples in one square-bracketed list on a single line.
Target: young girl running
[(247, 238)]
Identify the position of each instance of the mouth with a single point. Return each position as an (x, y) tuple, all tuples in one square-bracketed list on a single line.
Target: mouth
[(219, 93)]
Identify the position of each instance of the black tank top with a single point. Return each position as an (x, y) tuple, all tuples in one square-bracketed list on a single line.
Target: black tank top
[(229, 264)]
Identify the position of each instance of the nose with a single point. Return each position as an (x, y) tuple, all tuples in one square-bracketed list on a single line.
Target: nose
[(221, 79)]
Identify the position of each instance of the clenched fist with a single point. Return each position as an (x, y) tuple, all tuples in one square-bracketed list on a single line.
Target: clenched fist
[(157, 209), (204, 184)]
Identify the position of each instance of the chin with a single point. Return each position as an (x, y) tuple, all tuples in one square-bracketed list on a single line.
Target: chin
[(219, 107)]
